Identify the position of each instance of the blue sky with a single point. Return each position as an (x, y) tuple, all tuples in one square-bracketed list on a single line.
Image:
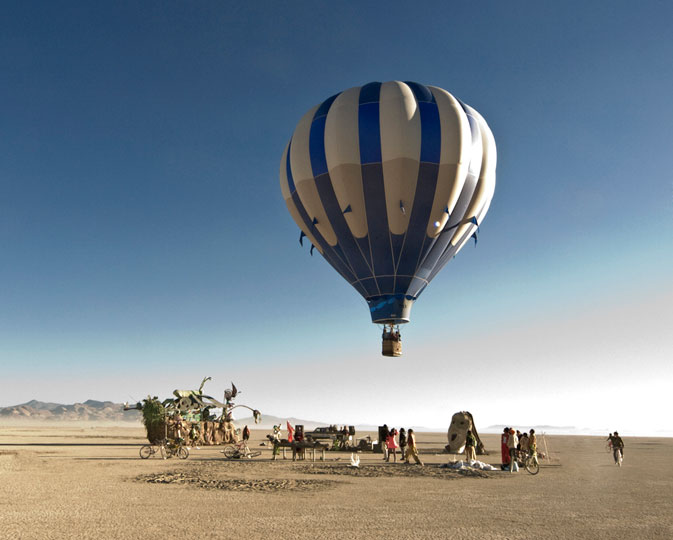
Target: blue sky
[(145, 243)]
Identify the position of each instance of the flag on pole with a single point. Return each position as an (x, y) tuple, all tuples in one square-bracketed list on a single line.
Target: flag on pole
[(290, 432)]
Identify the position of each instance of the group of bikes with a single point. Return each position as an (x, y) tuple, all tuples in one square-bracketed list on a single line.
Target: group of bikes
[(168, 448)]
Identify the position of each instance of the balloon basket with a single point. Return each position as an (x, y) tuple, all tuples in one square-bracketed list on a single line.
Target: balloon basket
[(391, 346)]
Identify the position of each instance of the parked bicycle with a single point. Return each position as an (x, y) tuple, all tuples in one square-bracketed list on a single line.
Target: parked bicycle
[(240, 450), (530, 461), (166, 449)]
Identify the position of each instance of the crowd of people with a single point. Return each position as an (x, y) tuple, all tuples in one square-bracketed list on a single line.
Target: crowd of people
[(515, 445), (403, 440)]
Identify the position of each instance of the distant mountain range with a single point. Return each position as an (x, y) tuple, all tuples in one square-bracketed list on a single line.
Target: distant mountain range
[(107, 411), (90, 411)]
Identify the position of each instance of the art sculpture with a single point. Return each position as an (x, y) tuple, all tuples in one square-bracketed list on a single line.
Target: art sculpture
[(457, 434), (187, 416)]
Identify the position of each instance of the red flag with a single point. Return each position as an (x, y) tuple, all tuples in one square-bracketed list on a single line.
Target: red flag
[(290, 432)]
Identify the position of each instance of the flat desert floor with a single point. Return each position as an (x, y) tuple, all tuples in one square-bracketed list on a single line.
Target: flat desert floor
[(88, 482)]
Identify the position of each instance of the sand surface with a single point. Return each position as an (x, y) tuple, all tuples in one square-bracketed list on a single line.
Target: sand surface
[(88, 482)]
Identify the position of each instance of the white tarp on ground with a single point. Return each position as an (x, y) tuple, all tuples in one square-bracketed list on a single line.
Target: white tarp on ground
[(471, 464)]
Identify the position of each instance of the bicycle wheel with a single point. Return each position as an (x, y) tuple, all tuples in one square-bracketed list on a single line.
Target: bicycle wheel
[(230, 452), (253, 454), (146, 451), (532, 465), (183, 453)]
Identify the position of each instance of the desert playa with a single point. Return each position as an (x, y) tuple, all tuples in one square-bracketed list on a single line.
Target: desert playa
[(88, 482)]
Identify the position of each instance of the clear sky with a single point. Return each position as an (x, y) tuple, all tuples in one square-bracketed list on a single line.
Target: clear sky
[(144, 242)]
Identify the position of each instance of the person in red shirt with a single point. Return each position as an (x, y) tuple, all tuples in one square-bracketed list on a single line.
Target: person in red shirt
[(504, 448)]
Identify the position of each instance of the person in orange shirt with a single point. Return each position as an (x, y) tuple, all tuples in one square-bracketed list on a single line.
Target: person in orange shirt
[(412, 450)]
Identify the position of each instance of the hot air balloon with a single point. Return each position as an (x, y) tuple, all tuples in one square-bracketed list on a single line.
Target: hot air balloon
[(389, 181)]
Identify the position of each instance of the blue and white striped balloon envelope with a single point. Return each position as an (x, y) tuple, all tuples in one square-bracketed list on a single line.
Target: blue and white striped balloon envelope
[(389, 181)]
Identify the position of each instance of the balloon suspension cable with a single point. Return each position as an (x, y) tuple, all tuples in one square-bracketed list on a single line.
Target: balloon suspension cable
[(390, 329)]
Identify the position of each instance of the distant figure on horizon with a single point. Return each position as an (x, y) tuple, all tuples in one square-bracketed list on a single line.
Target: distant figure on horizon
[(412, 450), (246, 433)]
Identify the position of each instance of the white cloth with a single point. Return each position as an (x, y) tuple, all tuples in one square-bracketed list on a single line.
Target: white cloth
[(471, 464)]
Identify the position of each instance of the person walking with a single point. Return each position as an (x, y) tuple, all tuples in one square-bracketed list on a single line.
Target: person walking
[(392, 445), (470, 445), (403, 442), (412, 450), (617, 449), (512, 443), (504, 448)]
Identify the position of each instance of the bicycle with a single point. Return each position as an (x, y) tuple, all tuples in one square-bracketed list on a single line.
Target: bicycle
[(176, 448), (148, 450), (166, 448), (240, 450), (530, 462)]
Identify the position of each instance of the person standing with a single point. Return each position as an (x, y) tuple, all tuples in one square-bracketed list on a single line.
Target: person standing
[(246, 433), (412, 450), (470, 445), (532, 443), (383, 436), (391, 443), (523, 442), (504, 448), (403, 442), (512, 443), (275, 440)]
